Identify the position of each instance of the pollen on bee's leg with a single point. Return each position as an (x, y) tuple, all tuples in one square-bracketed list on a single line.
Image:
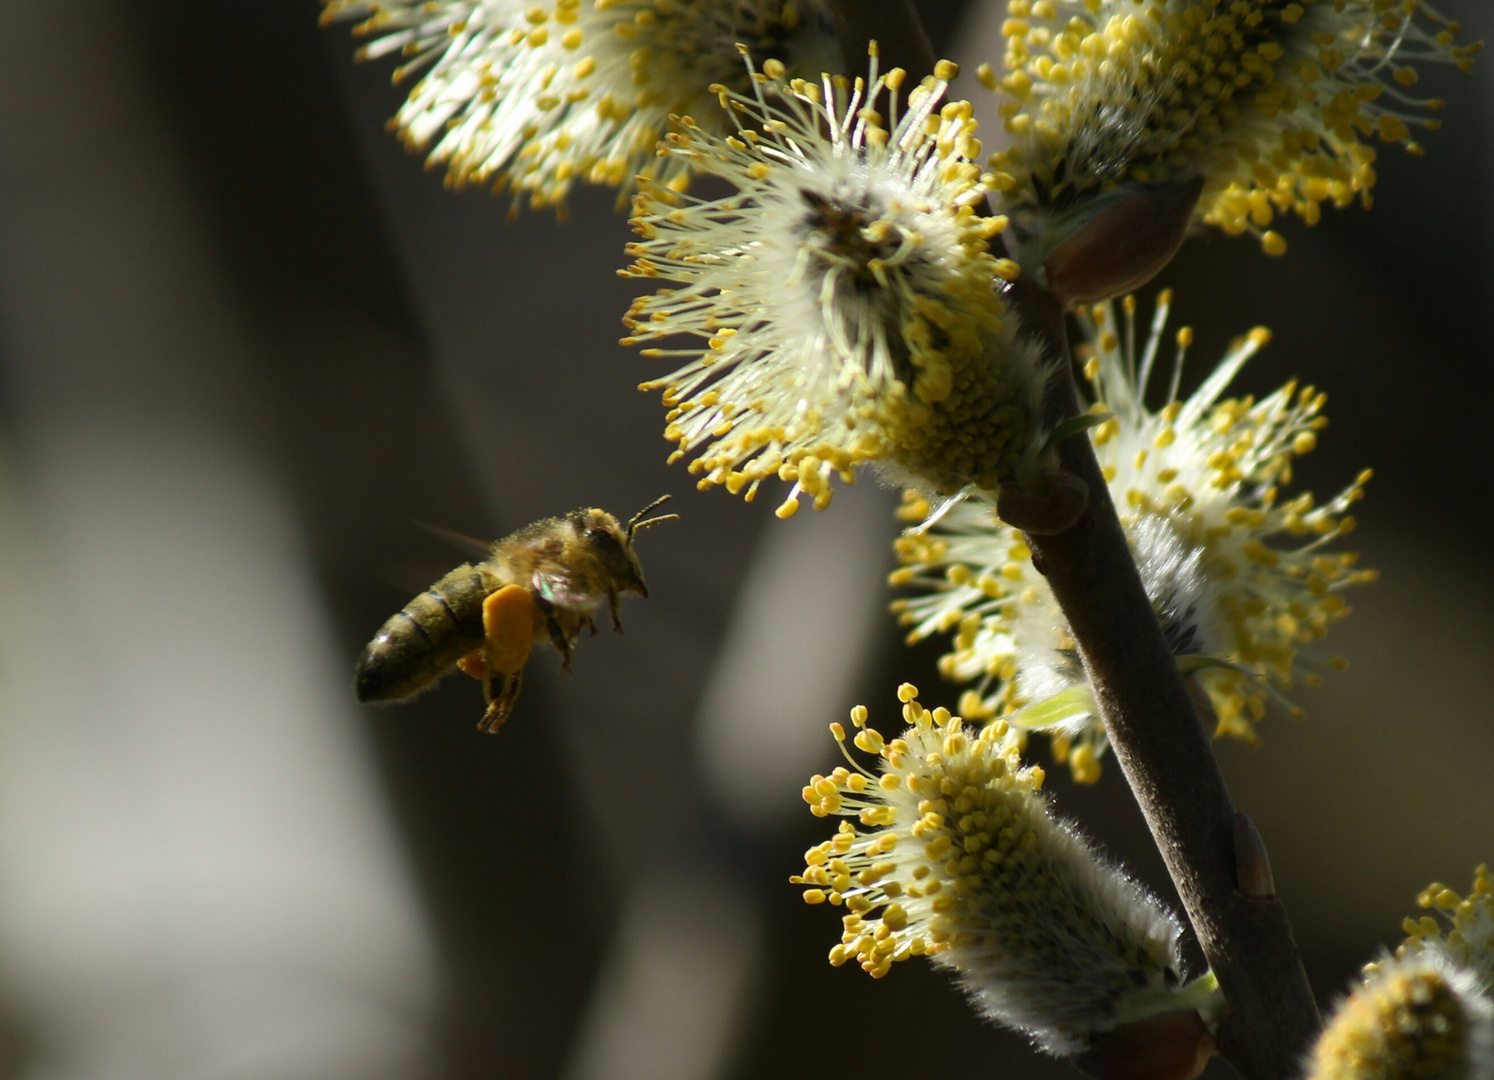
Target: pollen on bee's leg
[(508, 619), (474, 665)]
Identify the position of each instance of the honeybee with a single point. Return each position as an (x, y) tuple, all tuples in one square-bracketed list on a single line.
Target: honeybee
[(541, 583)]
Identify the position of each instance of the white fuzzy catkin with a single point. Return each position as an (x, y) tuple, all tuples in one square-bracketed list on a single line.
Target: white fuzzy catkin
[(961, 860), (538, 96), (1418, 1017), (840, 306), (1238, 573), (1274, 105)]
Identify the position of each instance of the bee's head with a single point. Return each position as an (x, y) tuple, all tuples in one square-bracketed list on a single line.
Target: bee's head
[(611, 543)]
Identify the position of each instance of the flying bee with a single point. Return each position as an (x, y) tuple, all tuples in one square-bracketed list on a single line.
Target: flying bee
[(540, 584)]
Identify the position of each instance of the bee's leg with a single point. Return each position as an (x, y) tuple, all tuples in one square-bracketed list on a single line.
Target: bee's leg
[(591, 625), (508, 628), (501, 705), (476, 665), (612, 606), (560, 641)]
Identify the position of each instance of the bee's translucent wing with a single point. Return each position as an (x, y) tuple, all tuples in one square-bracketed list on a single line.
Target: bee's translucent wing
[(474, 549)]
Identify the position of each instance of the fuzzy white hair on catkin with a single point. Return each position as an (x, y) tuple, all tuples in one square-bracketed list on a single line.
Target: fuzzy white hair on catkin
[(1047, 660), (540, 96), (1480, 1027), (1342, 1023), (819, 300), (828, 310), (1061, 984), (1480, 1035), (1181, 592), (1105, 144)]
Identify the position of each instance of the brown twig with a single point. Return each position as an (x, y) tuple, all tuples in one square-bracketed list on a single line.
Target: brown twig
[(1164, 753), (1271, 1016)]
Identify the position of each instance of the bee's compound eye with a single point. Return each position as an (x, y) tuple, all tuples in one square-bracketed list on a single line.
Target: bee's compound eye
[(604, 538)]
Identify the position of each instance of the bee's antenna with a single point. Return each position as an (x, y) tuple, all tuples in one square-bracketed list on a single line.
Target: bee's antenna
[(634, 524)]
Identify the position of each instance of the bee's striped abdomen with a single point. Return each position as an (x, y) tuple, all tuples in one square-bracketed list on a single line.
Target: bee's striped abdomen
[(434, 631)]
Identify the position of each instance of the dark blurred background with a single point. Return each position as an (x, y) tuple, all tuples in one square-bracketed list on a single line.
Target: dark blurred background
[(247, 342)]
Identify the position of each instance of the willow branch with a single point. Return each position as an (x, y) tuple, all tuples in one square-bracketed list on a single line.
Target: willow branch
[(1149, 715), (1161, 747)]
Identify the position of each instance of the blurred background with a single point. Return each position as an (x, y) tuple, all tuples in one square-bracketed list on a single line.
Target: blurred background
[(246, 342)]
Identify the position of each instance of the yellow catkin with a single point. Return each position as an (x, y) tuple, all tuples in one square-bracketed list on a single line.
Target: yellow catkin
[(958, 858), (915, 362), (536, 99), (1278, 107), (1409, 1019), (1465, 933), (1236, 572)]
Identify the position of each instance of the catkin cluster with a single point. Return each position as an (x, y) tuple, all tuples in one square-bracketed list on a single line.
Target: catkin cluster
[(1241, 575), (841, 306), (1273, 105), (842, 293), (535, 97)]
